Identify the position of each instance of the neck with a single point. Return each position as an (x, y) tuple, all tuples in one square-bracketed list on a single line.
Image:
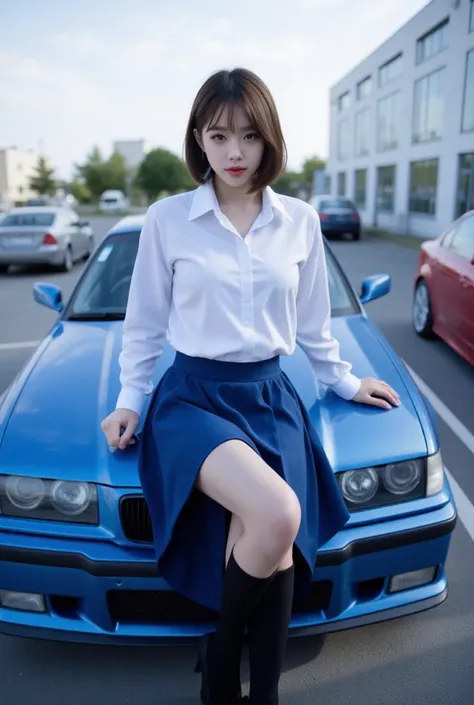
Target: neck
[(235, 196)]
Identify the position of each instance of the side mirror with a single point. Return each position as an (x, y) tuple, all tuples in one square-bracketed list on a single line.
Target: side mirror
[(48, 295), (374, 287)]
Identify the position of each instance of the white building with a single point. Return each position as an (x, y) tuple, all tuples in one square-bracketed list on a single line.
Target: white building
[(133, 151), (402, 125), (16, 169)]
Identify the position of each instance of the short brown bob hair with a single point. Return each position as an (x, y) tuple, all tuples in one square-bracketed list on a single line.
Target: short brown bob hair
[(231, 88)]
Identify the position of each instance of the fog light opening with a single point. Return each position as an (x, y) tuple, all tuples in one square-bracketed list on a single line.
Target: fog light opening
[(24, 601), (413, 579), (367, 590)]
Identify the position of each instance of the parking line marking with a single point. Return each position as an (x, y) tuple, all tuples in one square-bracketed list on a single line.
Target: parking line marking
[(464, 506), (456, 426), (19, 346)]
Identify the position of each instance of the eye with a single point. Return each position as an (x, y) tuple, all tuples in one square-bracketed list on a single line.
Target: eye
[(218, 137), (252, 136)]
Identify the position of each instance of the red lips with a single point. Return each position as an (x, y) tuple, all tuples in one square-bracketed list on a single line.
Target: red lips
[(236, 170)]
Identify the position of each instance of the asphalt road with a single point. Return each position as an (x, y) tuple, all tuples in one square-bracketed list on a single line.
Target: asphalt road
[(425, 659)]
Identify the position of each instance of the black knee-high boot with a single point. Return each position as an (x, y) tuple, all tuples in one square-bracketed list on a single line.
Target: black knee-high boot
[(268, 633), (220, 652)]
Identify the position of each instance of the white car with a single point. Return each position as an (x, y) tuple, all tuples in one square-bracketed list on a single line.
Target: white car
[(44, 235), (113, 200)]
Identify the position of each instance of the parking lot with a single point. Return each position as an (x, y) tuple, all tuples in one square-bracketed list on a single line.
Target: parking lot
[(422, 659)]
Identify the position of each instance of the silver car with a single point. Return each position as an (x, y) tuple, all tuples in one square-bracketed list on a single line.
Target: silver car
[(44, 235)]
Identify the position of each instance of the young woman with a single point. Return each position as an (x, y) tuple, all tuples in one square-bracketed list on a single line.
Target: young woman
[(240, 492)]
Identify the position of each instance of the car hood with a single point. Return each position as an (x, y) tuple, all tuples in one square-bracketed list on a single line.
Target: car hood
[(50, 418)]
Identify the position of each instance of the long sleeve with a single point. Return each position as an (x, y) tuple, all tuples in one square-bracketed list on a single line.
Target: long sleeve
[(314, 320), (146, 318)]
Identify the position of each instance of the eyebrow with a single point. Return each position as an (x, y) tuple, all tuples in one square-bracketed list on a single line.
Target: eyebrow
[(221, 128)]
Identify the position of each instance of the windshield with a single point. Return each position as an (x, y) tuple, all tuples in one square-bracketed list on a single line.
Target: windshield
[(103, 291), (335, 203), (27, 219)]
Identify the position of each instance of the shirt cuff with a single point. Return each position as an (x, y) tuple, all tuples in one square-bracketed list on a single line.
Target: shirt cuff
[(131, 399), (347, 387)]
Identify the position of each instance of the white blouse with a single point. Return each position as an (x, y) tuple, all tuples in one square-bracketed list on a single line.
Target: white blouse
[(215, 294)]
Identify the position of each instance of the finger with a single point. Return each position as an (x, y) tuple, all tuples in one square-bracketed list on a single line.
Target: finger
[(391, 390), (125, 439), (113, 434), (381, 403)]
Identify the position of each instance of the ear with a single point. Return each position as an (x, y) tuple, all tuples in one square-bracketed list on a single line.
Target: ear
[(198, 138)]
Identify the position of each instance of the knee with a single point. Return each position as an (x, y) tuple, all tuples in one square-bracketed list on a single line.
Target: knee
[(281, 522)]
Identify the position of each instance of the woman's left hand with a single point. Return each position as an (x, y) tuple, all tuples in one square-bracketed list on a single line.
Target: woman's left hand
[(376, 393)]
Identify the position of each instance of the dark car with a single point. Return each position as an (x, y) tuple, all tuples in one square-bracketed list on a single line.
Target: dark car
[(338, 216), (443, 301)]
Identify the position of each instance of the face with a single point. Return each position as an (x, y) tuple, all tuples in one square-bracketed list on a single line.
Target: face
[(233, 155)]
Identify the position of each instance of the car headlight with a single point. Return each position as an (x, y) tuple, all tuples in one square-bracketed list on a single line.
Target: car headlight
[(359, 486), (48, 500), (402, 478), (367, 488)]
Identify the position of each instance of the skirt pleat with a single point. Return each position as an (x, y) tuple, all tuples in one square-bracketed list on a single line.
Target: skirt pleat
[(198, 405)]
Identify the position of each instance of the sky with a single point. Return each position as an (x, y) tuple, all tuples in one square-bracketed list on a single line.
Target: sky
[(74, 75)]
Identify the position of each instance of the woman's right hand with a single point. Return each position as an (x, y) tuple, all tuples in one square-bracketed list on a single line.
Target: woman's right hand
[(112, 426)]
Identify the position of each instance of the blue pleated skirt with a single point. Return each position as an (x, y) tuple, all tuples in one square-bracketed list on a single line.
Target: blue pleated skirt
[(198, 405)]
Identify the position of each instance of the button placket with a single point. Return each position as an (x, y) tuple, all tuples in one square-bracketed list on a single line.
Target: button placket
[(246, 288)]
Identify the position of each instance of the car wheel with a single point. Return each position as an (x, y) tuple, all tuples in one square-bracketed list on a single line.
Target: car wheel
[(422, 312), (4, 268), (356, 236), (90, 248), (67, 263)]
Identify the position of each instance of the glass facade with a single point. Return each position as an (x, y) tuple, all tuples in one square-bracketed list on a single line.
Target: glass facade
[(390, 70), (386, 189), (428, 116), (360, 187), (364, 88), (468, 102), (432, 43), (465, 199), (343, 140), (423, 186), (362, 132), (341, 184), (388, 119)]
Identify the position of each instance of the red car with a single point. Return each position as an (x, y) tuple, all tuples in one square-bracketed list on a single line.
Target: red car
[(444, 288)]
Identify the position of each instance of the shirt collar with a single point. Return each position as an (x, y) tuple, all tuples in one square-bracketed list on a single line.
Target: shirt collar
[(205, 200)]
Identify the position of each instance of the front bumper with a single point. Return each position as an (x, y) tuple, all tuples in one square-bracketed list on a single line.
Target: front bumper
[(97, 592), (340, 227)]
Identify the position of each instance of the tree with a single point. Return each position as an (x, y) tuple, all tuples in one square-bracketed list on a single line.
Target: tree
[(288, 183), (80, 191), (160, 171), (43, 181), (99, 175)]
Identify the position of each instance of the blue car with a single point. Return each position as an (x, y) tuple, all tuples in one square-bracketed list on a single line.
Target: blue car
[(76, 554)]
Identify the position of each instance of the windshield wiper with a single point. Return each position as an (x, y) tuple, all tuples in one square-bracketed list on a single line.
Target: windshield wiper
[(97, 316)]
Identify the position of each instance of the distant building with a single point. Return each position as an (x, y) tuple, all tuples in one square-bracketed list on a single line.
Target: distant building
[(402, 124), (16, 169), (133, 151)]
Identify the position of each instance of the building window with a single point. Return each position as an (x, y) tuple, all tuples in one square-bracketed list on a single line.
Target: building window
[(341, 184), (433, 42), (471, 19), (423, 185), (388, 114), (344, 101), (386, 188), (360, 187), (468, 106), (390, 70), (362, 132), (364, 88), (428, 113), (465, 200), (343, 140)]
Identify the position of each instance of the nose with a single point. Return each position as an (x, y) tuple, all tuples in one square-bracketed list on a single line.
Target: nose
[(235, 150)]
